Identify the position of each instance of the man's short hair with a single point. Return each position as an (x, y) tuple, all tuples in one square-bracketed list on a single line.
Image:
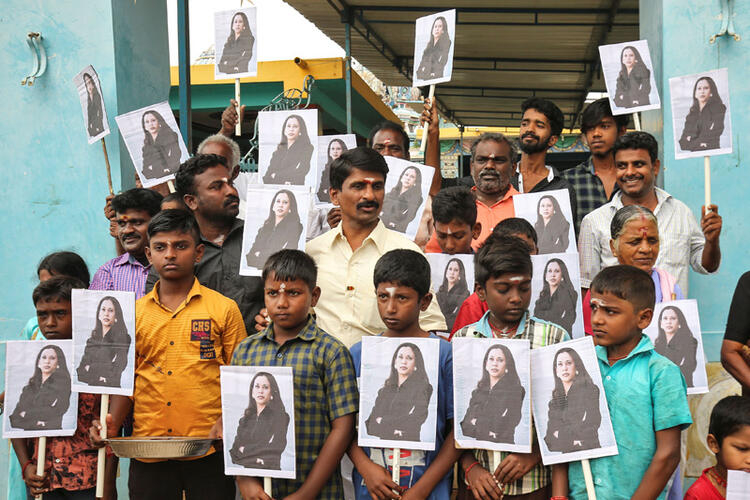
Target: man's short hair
[(57, 288), (175, 197), (147, 200), (185, 176), (499, 255), (455, 203), (729, 415), (289, 265), (65, 264), (389, 125), (173, 219), (599, 110), (549, 109), (627, 283), (513, 226), (362, 158), (637, 140), (222, 139), (405, 268), (494, 137)]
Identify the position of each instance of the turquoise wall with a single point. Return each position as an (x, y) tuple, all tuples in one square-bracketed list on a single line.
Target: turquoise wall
[(678, 34), (55, 183)]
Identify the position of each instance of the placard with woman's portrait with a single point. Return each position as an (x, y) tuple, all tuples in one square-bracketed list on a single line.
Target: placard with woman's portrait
[(154, 142), (330, 147), (257, 406), (92, 104), (675, 332), (103, 341), (276, 219), (570, 409), (39, 400), (434, 43), (556, 291), (452, 282), (629, 77), (492, 399), (550, 214), (236, 43), (701, 119), (288, 141), (398, 392), (407, 187)]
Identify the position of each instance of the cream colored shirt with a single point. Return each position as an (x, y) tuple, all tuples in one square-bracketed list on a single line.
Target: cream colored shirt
[(347, 308)]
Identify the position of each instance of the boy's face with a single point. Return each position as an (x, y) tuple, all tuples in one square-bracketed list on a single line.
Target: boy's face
[(55, 319), (174, 254), (289, 302), (455, 237), (734, 452), (399, 306), (615, 321), (507, 296)]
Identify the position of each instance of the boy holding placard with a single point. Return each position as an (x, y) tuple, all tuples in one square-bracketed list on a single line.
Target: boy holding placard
[(325, 389), (402, 288), (503, 270), (454, 214), (70, 461), (646, 393)]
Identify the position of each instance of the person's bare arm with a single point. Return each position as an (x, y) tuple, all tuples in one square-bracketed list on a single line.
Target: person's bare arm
[(560, 480), (665, 460), (432, 151), (484, 486), (342, 430), (711, 227), (377, 479), (446, 457), (119, 407), (734, 362), (229, 118)]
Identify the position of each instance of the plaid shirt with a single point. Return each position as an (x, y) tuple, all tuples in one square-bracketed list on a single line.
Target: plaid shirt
[(325, 388), (123, 273), (590, 193), (540, 333)]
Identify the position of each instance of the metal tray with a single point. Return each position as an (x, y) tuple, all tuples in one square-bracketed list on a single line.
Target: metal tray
[(159, 447)]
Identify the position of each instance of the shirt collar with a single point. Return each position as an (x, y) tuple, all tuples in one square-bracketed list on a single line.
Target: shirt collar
[(508, 194), (308, 333), (661, 197), (195, 291), (378, 235), (127, 258), (485, 329), (550, 172), (238, 224), (644, 345)]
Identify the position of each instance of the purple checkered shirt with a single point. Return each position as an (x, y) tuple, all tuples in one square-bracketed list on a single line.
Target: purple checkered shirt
[(123, 273)]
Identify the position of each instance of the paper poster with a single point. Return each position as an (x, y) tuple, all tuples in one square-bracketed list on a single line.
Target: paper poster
[(235, 42), (288, 143), (675, 332), (700, 114), (257, 405), (550, 214), (38, 396), (154, 142), (330, 147), (434, 42), (738, 485), (570, 409), (452, 282), (492, 399), (398, 392), (629, 77), (276, 219), (407, 187), (103, 341), (92, 104), (556, 291)]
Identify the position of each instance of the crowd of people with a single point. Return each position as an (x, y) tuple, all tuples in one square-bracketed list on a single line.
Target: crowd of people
[(309, 310)]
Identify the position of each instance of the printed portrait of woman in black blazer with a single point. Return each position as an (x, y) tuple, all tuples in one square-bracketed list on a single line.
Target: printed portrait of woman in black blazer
[(261, 433), (435, 55), (552, 229), (704, 122), (557, 300), (676, 342), (453, 291), (495, 407), (106, 354), (94, 107), (238, 49), (161, 146), (280, 231), (401, 406), (634, 81), (401, 203), (335, 149), (291, 160)]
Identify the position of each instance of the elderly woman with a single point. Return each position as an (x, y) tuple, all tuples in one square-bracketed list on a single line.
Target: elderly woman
[(635, 242)]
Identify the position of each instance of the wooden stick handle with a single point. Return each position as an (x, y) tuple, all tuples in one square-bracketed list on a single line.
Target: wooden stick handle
[(170, 185), (495, 462), (424, 127), (707, 179), (109, 170), (267, 486), (637, 121), (102, 457), (588, 478), (396, 470), (42, 442), (238, 127)]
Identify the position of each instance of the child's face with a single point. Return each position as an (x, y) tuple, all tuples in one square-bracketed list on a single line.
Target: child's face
[(507, 297), (55, 319), (174, 254), (399, 306), (615, 321), (455, 237), (289, 302), (734, 452)]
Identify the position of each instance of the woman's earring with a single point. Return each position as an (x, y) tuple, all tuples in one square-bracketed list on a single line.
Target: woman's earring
[(576, 372), (506, 370)]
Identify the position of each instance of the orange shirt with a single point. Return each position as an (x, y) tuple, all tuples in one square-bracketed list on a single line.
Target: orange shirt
[(489, 217), (178, 355)]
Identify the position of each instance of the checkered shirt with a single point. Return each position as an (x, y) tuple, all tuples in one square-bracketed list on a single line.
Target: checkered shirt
[(590, 193)]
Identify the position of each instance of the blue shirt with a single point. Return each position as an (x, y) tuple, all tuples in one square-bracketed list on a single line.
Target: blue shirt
[(415, 462), (645, 393)]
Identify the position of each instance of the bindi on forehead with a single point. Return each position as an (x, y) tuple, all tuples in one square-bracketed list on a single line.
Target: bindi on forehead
[(391, 291), (516, 278), (368, 180)]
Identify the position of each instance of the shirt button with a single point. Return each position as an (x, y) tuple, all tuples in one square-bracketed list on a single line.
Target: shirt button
[(279, 355), (598, 481), (169, 430), (171, 342), (608, 377), (169, 403), (57, 460), (169, 372)]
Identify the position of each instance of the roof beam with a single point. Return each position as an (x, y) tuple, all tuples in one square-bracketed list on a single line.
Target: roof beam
[(492, 10)]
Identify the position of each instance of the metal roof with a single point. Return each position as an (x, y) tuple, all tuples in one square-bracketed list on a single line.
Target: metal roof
[(506, 50)]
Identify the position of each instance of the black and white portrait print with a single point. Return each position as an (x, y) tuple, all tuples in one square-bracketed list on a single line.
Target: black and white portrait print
[(92, 104), (406, 189), (550, 214), (452, 282), (700, 114), (257, 404), (103, 341), (39, 400), (288, 143), (434, 43), (235, 42), (629, 77), (556, 291), (330, 147)]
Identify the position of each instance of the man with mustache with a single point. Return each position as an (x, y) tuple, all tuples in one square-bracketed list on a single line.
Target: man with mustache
[(683, 243), (206, 185)]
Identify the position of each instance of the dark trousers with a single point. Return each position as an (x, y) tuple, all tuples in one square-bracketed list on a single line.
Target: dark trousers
[(60, 494), (201, 479)]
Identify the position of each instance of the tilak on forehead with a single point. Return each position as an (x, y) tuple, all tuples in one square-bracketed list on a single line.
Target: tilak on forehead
[(369, 180), (598, 302), (282, 287)]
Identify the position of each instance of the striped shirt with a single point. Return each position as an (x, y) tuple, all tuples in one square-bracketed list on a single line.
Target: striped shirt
[(540, 334), (123, 273), (681, 240)]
